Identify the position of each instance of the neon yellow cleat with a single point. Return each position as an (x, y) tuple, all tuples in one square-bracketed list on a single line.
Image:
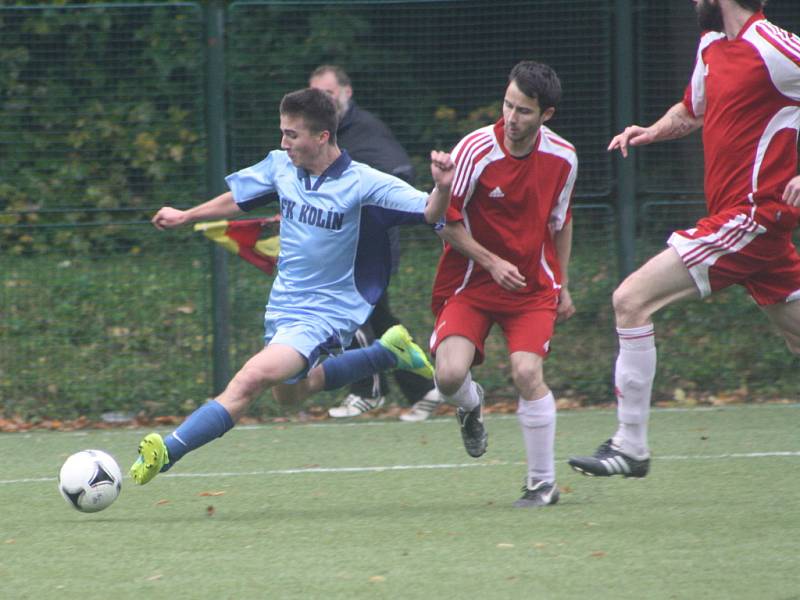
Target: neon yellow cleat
[(410, 357), (152, 457)]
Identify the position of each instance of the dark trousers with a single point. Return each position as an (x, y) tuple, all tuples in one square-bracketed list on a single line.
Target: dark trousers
[(411, 385)]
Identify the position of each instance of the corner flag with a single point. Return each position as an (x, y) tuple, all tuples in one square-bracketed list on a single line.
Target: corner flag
[(242, 238)]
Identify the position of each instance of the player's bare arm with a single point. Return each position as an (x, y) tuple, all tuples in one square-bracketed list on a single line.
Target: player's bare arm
[(563, 243), (442, 169), (791, 194), (503, 272), (676, 123), (221, 207)]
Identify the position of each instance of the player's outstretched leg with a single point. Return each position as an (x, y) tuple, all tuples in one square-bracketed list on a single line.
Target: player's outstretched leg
[(410, 357), (473, 432), (153, 456), (156, 454), (395, 350), (537, 493), (608, 460)]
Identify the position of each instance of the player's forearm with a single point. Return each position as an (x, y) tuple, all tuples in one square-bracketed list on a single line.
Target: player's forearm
[(677, 122), (438, 202), (563, 244), (221, 207), (455, 234)]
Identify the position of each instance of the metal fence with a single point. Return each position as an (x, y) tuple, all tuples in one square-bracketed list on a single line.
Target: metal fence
[(111, 110)]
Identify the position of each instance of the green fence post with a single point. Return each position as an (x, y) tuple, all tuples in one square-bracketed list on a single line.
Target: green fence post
[(216, 170), (625, 168)]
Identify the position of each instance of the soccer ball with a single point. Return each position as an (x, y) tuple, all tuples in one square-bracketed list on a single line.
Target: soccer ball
[(90, 480)]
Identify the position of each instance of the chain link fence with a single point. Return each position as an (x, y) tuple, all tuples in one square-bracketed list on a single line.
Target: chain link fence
[(103, 118)]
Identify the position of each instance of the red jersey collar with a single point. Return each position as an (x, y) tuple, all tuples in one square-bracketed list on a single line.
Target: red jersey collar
[(759, 16)]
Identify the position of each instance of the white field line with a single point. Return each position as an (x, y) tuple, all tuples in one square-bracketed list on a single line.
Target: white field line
[(386, 422), (382, 469)]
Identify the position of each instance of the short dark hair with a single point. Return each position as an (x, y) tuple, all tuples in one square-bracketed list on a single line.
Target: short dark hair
[(315, 107), (537, 80), (342, 78), (754, 5)]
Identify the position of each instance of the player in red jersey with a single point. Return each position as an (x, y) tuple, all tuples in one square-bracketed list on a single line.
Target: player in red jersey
[(745, 94), (508, 238)]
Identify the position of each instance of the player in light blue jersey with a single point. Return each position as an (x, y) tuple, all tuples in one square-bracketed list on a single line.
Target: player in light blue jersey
[(333, 266)]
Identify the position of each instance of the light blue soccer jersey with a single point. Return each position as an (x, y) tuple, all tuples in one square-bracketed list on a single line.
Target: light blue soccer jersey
[(334, 261)]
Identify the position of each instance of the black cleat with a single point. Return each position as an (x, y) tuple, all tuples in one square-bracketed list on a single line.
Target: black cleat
[(537, 493), (472, 430), (608, 461)]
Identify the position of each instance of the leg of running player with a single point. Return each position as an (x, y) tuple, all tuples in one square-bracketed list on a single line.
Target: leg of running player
[(786, 317), (664, 279), (536, 412), (454, 357)]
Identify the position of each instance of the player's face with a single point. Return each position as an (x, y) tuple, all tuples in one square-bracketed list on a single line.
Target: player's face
[(301, 144), (328, 83), (709, 16), (522, 115)]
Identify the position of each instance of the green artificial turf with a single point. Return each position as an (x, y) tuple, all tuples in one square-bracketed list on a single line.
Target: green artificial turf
[(384, 509)]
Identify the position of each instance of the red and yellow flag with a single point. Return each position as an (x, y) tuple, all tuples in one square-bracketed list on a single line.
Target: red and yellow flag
[(242, 238)]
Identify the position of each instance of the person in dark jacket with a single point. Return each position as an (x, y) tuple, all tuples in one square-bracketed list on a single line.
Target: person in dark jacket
[(367, 139)]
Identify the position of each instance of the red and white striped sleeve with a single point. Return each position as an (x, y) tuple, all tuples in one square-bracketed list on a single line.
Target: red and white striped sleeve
[(553, 143), (694, 98), (780, 50), (467, 156)]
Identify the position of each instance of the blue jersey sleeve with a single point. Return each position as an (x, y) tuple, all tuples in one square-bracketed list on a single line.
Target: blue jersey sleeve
[(255, 186), (397, 202)]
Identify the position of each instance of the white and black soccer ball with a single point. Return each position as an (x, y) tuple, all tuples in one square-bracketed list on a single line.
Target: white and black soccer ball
[(90, 480)]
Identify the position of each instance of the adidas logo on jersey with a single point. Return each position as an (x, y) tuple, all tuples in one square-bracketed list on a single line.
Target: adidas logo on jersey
[(497, 193)]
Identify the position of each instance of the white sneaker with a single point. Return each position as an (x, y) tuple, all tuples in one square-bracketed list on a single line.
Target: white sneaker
[(353, 405), (423, 408)]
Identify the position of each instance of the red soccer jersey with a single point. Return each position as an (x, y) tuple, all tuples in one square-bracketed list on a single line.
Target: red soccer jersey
[(511, 206), (748, 92)]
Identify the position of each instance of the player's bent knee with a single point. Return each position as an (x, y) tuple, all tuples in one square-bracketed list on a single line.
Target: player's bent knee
[(527, 377), (449, 378), (793, 344), (249, 382), (627, 306)]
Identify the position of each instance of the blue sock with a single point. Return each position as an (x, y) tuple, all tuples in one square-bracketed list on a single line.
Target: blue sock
[(207, 423), (357, 364)]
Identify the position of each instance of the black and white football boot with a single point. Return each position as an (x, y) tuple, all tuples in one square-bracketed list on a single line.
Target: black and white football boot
[(537, 493), (473, 432), (608, 460)]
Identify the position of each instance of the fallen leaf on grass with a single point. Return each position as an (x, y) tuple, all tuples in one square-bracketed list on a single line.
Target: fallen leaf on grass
[(377, 578), (505, 545), (155, 577), (211, 494), (598, 554), (162, 502)]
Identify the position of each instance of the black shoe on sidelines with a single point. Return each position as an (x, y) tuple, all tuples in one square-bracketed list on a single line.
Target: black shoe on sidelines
[(608, 461)]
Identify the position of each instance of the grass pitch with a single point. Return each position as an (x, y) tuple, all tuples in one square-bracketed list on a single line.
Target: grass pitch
[(384, 509)]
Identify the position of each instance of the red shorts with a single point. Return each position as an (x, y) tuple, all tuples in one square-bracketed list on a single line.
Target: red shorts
[(736, 246), (525, 331)]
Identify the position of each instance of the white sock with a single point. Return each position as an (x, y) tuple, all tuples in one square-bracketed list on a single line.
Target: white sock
[(466, 396), (537, 419), (634, 374)]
